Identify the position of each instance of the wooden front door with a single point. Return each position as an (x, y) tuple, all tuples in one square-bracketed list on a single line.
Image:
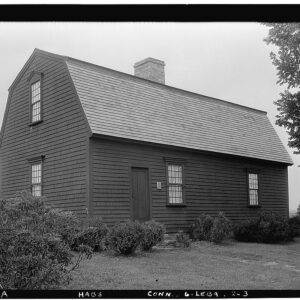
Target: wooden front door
[(140, 194)]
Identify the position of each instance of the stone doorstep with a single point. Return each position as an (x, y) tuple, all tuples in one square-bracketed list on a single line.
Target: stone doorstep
[(170, 236), (169, 240)]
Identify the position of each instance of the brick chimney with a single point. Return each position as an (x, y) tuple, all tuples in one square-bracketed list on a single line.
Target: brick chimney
[(151, 69)]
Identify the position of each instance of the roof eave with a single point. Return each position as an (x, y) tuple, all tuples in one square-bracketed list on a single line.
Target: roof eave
[(127, 140)]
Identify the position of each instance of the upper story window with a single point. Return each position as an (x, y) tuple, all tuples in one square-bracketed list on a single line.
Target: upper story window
[(253, 188), (36, 179), (175, 187), (36, 102), (35, 81)]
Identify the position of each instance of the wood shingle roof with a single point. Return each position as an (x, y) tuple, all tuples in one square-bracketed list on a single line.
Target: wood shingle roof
[(121, 105)]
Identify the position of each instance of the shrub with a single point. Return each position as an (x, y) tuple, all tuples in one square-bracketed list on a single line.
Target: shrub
[(201, 228), (125, 237), (265, 228), (64, 223), (294, 224), (212, 229), (221, 229), (152, 234), (26, 211), (95, 221), (32, 253), (182, 239), (246, 231), (30, 261), (92, 236)]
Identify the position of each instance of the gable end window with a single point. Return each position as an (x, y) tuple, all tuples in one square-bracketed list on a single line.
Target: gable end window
[(35, 81), (175, 183), (253, 191), (36, 102)]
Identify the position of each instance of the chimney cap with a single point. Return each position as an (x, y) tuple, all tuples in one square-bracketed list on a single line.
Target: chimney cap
[(149, 59)]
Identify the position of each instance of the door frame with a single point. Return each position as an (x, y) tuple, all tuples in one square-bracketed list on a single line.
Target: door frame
[(140, 166)]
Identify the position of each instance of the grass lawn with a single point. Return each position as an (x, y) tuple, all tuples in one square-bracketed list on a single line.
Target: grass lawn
[(232, 265)]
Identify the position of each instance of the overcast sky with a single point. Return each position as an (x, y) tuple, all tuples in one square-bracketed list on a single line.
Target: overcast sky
[(228, 61)]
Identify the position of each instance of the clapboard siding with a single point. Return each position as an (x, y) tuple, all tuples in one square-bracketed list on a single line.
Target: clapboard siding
[(212, 183), (62, 137)]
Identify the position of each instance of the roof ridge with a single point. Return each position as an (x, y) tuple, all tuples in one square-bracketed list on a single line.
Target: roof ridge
[(66, 58), (51, 53), (165, 85)]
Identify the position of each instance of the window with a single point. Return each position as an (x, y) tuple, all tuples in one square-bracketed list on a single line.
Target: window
[(36, 102), (175, 194), (35, 85), (36, 179), (253, 188)]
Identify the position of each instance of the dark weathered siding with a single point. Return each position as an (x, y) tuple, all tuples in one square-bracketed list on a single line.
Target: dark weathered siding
[(62, 137), (212, 183)]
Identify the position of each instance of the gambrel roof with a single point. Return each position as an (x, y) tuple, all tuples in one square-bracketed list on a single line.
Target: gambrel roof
[(125, 106)]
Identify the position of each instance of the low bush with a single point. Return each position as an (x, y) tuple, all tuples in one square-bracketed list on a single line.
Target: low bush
[(182, 240), (95, 221), (33, 254), (64, 223), (31, 261), (213, 229), (294, 223), (221, 229), (201, 228), (265, 228), (125, 237), (26, 211), (92, 236), (152, 234)]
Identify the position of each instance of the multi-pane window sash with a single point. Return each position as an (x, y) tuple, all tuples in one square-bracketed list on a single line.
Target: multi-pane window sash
[(175, 184), (36, 179), (36, 101), (253, 188)]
